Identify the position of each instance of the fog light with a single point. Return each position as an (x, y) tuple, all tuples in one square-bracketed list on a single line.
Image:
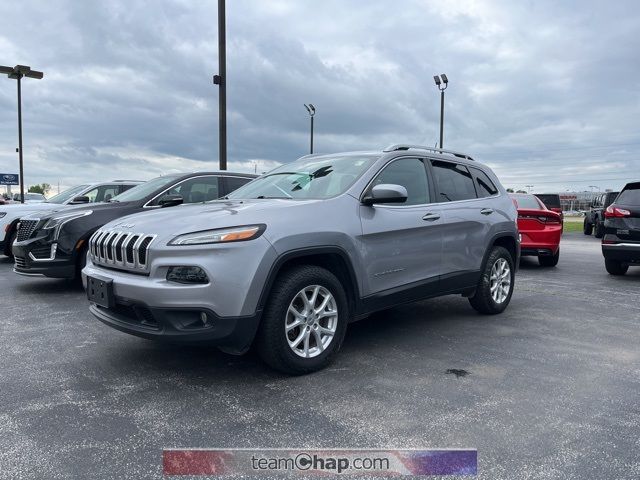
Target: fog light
[(186, 274), (204, 318)]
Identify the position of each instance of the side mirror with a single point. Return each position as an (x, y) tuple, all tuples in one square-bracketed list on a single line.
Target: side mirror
[(80, 200), (386, 193), (170, 201)]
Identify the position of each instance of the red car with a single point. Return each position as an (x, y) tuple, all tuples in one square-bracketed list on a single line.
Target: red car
[(540, 229)]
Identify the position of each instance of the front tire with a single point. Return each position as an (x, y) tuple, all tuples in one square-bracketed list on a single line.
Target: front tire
[(615, 268), (12, 238), (549, 261), (305, 321), (495, 287), (587, 228)]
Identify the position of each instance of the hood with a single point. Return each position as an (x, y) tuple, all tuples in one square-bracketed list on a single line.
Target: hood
[(89, 206), (24, 209), (172, 221)]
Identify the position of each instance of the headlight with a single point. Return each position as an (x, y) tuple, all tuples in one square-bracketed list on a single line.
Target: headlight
[(2, 214), (57, 221), (221, 235)]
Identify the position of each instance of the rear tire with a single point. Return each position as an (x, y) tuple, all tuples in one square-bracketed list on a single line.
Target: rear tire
[(491, 281), (290, 342), (587, 229), (615, 268), (599, 229), (550, 261)]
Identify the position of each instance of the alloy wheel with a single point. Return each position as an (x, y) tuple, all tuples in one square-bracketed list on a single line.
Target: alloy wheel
[(311, 321), (500, 280)]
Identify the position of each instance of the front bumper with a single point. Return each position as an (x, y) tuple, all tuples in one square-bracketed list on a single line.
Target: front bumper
[(38, 257), (179, 325)]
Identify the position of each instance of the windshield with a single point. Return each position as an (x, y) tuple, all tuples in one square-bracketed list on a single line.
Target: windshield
[(308, 178), (142, 191), (527, 201), (67, 194)]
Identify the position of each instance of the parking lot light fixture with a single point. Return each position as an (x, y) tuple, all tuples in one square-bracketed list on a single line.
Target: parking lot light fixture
[(312, 111), (16, 73), (529, 187), (442, 82)]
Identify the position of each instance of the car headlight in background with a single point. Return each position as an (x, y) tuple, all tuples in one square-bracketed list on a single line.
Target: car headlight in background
[(57, 221), (220, 235)]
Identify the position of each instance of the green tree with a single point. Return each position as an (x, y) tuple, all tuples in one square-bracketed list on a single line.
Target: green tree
[(42, 188), (510, 190)]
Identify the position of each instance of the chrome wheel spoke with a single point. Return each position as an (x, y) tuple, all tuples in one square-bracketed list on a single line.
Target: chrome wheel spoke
[(306, 335), (500, 280)]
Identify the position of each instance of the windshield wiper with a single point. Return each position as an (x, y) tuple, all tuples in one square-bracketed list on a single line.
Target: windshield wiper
[(261, 197)]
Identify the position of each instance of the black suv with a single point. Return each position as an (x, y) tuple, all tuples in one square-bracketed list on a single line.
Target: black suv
[(594, 219), (55, 244), (621, 241)]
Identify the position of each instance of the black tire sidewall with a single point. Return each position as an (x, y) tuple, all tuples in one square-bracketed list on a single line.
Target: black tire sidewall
[(271, 341), (482, 300)]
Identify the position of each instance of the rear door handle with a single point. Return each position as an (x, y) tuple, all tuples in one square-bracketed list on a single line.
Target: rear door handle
[(431, 217), (486, 211)]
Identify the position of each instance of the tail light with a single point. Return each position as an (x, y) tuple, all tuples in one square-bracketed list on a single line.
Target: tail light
[(547, 220), (616, 212)]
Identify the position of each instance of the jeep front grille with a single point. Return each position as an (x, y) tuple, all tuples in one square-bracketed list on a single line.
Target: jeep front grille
[(124, 250), (26, 229)]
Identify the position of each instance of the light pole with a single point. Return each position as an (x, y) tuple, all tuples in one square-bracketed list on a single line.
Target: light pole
[(442, 82), (221, 81), (312, 111), (17, 73), (529, 187)]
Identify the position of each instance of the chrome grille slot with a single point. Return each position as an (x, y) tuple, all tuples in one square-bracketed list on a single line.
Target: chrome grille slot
[(121, 250)]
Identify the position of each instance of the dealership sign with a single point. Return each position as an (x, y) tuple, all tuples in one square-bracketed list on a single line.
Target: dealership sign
[(9, 179)]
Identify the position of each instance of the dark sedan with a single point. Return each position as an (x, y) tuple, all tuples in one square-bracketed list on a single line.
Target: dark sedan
[(55, 244)]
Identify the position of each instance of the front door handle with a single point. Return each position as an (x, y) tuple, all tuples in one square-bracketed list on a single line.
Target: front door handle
[(431, 217), (486, 211)]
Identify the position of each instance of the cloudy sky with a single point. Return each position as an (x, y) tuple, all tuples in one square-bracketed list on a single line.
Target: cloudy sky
[(546, 92)]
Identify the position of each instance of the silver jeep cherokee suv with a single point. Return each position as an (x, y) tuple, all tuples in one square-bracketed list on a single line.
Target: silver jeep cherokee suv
[(288, 260)]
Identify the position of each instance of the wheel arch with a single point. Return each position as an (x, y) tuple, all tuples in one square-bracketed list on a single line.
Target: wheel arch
[(332, 258)]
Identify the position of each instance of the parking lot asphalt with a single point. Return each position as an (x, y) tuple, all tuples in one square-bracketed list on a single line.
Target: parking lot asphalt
[(552, 389)]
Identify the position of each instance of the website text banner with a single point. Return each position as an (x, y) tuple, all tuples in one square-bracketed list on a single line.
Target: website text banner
[(320, 462)]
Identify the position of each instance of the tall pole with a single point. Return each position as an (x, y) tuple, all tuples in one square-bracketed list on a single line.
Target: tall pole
[(441, 116), (311, 150), (222, 69), (20, 139)]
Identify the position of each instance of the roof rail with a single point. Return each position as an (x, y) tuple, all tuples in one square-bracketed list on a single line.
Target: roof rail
[(406, 146)]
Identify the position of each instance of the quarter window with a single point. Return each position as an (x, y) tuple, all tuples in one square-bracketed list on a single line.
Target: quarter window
[(409, 173), (484, 185), (453, 180)]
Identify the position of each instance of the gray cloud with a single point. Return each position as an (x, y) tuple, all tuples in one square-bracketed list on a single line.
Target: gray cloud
[(546, 92)]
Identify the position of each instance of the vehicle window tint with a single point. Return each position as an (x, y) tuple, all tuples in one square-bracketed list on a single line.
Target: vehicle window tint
[(196, 190), (102, 193), (233, 183), (484, 185), (528, 201), (630, 195), (453, 180), (409, 173), (125, 187)]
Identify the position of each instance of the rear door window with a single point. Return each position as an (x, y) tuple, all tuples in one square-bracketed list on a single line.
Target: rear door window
[(484, 186), (454, 181)]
